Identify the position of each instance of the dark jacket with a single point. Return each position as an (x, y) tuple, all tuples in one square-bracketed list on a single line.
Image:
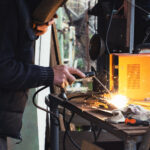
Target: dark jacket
[(17, 73)]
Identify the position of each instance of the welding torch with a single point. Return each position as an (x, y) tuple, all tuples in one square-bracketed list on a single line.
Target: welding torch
[(136, 122)]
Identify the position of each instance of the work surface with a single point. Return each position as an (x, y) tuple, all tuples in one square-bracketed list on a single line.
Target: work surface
[(98, 116)]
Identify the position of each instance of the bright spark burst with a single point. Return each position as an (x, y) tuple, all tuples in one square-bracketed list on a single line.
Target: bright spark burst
[(119, 101)]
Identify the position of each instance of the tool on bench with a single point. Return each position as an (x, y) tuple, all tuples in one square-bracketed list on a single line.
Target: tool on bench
[(136, 122)]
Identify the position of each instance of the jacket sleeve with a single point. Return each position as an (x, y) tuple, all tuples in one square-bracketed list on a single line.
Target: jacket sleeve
[(16, 75)]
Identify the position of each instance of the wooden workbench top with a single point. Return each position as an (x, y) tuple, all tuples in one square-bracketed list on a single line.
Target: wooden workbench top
[(98, 116)]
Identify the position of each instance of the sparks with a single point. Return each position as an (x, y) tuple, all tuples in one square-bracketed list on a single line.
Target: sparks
[(119, 101)]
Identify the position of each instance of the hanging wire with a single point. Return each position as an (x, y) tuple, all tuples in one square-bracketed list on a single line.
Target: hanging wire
[(139, 7), (110, 21), (67, 125), (107, 33), (41, 108), (96, 135)]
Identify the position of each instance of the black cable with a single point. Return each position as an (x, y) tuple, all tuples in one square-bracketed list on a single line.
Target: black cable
[(68, 124), (64, 117), (108, 29), (96, 136), (139, 7), (53, 115), (35, 104), (66, 133)]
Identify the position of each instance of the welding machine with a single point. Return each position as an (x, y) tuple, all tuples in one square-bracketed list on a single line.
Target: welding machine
[(130, 75)]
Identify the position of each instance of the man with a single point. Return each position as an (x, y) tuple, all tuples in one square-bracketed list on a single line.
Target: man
[(17, 73)]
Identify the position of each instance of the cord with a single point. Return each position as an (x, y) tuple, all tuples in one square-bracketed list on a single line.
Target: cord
[(53, 115), (66, 133), (67, 124), (108, 29), (96, 136), (110, 21), (139, 7), (33, 100)]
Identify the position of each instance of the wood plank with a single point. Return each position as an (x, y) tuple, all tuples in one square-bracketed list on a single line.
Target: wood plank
[(134, 132), (55, 58), (56, 44), (127, 127)]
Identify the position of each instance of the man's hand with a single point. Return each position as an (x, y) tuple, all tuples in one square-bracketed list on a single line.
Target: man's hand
[(63, 75), (41, 29)]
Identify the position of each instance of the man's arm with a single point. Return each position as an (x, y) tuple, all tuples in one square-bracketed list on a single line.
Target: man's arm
[(16, 75)]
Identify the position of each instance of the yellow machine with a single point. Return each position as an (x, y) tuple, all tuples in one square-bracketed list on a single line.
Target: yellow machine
[(130, 75)]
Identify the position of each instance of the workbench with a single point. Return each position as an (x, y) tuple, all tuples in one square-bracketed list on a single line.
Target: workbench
[(130, 135)]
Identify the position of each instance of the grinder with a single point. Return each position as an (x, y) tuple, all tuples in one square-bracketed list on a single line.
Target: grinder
[(87, 74)]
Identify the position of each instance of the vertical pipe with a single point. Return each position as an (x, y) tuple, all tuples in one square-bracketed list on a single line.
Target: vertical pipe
[(87, 44), (54, 132), (70, 47), (130, 24)]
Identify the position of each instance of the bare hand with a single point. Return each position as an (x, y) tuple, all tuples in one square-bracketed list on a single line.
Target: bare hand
[(41, 29), (63, 75)]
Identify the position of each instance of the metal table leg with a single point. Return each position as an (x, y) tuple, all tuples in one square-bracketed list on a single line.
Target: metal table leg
[(54, 126), (145, 144), (130, 145)]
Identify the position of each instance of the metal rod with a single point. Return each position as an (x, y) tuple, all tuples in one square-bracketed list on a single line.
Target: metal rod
[(54, 132), (130, 24)]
